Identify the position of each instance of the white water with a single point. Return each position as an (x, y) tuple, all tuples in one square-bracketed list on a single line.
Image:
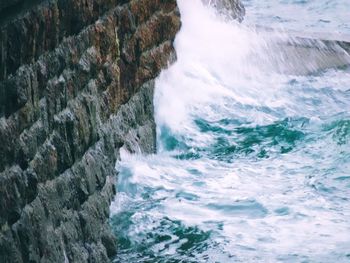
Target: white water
[(253, 165)]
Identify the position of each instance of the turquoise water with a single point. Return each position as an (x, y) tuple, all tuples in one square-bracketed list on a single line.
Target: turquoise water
[(252, 165)]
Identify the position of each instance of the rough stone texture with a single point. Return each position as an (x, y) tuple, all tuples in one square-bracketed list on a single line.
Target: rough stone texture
[(75, 86)]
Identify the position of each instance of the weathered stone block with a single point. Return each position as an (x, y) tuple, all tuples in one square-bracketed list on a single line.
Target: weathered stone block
[(75, 86)]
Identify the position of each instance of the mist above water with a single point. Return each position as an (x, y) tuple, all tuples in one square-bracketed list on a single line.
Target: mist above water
[(253, 154)]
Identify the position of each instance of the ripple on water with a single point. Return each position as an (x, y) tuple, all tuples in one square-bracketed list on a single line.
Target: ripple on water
[(241, 208), (165, 241), (253, 166)]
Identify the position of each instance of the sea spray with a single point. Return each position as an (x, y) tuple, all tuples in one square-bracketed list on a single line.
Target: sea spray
[(252, 162)]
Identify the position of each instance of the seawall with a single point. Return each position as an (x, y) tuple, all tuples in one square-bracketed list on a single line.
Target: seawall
[(76, 85)]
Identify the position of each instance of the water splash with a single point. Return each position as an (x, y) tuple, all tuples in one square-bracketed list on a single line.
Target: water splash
[(253, 162)]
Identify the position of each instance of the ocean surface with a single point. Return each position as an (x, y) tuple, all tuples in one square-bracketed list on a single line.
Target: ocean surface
[(253, 165), (329, 16)]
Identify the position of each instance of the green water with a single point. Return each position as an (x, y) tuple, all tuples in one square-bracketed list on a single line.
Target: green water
[(252, 165)]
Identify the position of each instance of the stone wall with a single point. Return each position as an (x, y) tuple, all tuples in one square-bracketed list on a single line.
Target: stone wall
[(76, 84)]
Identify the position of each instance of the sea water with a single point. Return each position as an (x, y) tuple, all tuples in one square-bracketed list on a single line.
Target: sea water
[(253, 165)]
